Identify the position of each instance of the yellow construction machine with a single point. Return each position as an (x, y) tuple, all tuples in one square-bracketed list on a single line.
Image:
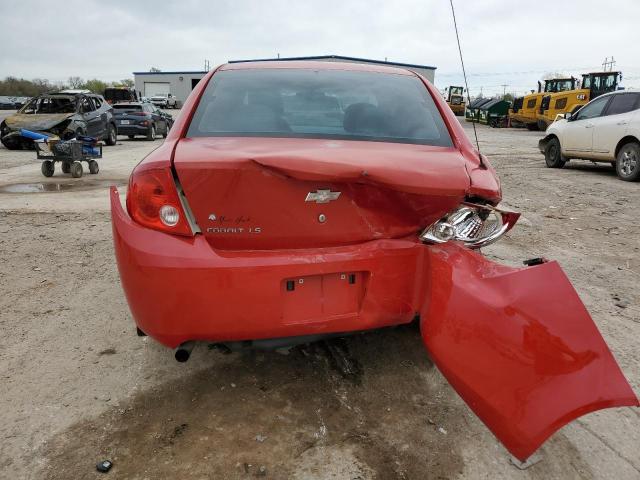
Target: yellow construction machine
[(593, 85), (455, 99), (525, 109)]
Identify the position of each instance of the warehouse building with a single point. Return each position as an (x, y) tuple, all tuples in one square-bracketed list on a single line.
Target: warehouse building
[(180, 84)]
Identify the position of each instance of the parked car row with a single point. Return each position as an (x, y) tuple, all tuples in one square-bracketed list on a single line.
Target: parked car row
[(12, 103), (70, 114), (606, 129)]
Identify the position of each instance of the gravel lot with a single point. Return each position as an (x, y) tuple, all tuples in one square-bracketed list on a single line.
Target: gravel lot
[(79, 386)]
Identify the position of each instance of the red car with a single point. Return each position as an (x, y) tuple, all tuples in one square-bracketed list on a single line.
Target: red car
[(294, 200)]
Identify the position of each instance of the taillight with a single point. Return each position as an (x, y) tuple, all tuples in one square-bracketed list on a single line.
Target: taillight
[(152, 201)]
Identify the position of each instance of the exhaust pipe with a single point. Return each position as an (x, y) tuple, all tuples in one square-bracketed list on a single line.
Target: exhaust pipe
[(183, 352)]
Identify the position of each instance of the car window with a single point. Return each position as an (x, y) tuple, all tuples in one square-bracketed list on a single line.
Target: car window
[(301, 103), (97, 102), (124, 107), (623, 103), (593, 109), (86, 105), (49, 105)]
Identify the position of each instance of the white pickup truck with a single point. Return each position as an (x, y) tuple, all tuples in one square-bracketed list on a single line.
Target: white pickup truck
[(165, 100)]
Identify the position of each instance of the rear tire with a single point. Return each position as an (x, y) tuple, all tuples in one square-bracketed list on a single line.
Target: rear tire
[(112, 135), (93, 167), (553, 154), (76, 169), (628, 162), (48, 168), (151, 134)]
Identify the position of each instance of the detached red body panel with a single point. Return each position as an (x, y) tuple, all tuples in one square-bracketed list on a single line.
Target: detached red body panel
[(518, 345), (262, 236)]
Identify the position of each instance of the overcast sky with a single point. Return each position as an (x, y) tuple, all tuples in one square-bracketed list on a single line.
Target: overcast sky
[(511, 42)]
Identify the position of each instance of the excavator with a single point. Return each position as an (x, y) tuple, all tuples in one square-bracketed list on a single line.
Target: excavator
[(525, 109), (455, 99), (593, 85)]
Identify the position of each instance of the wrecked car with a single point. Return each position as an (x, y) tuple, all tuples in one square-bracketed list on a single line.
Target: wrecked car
[(296, 200), (66, 115)]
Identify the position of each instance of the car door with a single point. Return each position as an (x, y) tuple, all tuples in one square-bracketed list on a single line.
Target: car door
[(90, 116), (159, 120), (614, 124), (517, 344), (102, 110), (577, 138)]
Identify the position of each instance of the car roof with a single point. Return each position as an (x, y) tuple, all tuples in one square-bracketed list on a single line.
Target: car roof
[(316, 65), (128, 104), (619, 92)]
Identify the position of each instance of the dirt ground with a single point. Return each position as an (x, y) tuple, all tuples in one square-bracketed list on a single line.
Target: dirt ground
[(78, 386)]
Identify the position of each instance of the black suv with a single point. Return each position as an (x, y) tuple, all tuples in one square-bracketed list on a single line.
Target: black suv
[(64, 114), (141, 118)]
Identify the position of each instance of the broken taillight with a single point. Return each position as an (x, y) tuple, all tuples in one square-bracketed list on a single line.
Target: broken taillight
[(153, 201), (472, 224)]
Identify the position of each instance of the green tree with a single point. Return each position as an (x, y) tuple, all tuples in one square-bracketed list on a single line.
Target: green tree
[(127, 82), (95, 85)]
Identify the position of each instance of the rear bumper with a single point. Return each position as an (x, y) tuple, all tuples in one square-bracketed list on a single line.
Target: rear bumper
[(182, 289), (132, 130)]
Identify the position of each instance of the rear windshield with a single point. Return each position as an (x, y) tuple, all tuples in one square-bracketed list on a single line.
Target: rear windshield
[(335, 104), (127, 108)]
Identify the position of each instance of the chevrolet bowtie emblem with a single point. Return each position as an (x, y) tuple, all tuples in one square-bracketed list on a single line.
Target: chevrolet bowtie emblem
[(322, 196)]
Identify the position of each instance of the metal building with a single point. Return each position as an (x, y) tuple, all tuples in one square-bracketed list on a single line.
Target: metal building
[(180, 84)]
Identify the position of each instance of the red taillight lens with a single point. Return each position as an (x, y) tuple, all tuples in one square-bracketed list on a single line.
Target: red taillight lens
[(152, 201)]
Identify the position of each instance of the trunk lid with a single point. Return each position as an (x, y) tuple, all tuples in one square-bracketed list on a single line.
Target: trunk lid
[(271, 193)]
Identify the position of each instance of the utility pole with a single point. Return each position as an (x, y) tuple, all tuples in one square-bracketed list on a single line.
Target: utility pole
[(608, 63), (207, 65), (504, 89)]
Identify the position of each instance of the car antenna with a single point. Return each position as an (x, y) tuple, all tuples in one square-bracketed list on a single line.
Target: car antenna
[(466, 84)]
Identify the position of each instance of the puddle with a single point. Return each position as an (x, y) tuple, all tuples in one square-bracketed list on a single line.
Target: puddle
[(64, 186)]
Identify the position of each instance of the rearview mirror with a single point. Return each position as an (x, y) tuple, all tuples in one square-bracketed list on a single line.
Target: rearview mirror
[(567, 116)]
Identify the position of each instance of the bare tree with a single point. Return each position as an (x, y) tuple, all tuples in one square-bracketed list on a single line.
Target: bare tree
[(75, 82)]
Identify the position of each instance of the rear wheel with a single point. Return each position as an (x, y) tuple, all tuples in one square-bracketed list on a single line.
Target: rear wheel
[(151, 134), (76, 169), (553, 154), (66, 167), (628, 162), (47, 168), (112, 135), (93, 167)]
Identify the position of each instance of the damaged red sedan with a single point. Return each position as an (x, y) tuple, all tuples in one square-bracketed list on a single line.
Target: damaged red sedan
[(296, 200)]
